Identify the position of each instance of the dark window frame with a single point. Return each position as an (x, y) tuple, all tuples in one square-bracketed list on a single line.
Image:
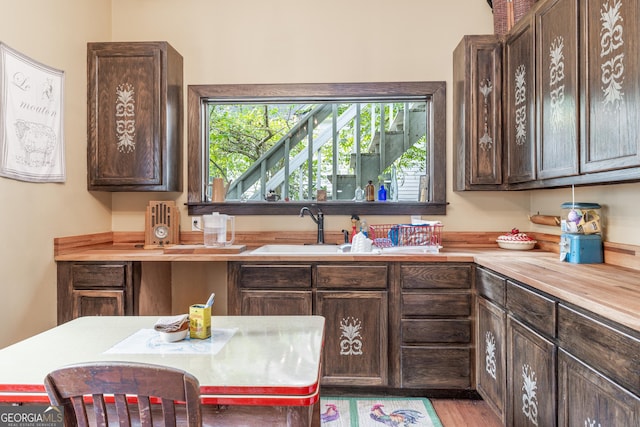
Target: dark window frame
[(432, 92)]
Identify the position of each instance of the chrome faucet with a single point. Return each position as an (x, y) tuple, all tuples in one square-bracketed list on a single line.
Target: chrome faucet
[(319, 220)]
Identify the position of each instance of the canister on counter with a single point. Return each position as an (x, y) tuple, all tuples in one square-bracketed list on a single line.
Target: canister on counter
[(200, 321)]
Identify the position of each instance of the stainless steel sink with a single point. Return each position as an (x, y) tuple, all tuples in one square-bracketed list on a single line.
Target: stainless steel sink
[(301, 250)]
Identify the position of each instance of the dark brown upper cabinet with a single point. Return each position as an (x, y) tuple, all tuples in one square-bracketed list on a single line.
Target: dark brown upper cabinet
[(134, 125), (610, 46), (477, 100), (557, 88), (519, 130)]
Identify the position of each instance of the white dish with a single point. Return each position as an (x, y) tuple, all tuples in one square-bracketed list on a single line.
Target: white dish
[(516, 245), (174, 336)]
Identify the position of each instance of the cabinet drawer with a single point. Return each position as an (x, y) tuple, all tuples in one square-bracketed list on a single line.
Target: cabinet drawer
[(532, 308), (436, 367), (445, 276), (276, 303), (352, 276), (99, 303), (490, 285), (274, 276), (88, 276), (609, 350), (416, 331), (447, 304)]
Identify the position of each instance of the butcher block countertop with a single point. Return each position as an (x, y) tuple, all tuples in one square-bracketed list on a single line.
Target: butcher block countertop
[(608, 290)]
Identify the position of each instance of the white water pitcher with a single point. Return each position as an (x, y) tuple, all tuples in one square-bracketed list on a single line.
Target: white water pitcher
[(215, 229)]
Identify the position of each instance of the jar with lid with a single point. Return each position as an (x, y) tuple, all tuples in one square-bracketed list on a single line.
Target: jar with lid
[(581, 218)]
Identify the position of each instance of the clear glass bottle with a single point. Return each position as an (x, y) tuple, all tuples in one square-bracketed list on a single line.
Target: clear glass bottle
[(359, 194), (393, 187), (364, 228), (370, 192)]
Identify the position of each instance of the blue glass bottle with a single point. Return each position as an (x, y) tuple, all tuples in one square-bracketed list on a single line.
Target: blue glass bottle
[(382, 193)]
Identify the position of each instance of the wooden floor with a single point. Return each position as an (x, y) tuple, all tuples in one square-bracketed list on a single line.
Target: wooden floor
[(460, 413), (465, 413), (452, 413)]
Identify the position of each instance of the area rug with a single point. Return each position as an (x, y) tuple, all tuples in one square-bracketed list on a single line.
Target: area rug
[(377, 412)]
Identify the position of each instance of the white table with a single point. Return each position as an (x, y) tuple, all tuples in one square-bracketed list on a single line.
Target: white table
[(269, 361)]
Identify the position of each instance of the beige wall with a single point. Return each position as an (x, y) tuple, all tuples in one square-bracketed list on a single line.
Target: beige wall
[(288, 41), (31, 215), (276, 41)]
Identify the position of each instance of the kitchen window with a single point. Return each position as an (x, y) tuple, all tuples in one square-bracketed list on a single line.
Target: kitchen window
[(293, 140)]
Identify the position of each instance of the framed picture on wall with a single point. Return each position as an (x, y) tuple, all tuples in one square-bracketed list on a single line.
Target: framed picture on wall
[(31, 119)]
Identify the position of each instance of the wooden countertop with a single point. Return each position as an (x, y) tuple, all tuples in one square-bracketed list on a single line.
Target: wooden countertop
[(138, 253), (124, 253), (608, 290)]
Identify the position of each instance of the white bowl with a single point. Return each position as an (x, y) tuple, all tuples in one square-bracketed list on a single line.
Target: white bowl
[(517, 245), (174, 336)]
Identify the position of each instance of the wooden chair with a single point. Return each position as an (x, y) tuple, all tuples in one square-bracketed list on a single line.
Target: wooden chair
[(119, 385)]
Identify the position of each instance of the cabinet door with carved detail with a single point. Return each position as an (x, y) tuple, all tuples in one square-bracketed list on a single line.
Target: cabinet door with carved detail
[(519, 132), (355, 342), (134, 116), (557, 88), (531, 382), (590, 399), (477, 100), (610, 64), (491, 364)]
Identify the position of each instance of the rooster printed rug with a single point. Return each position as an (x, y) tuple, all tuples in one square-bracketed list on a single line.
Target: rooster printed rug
[(377, 412)]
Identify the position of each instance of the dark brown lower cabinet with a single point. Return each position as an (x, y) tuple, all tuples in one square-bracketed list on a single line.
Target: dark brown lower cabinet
[(356, 337), (388, 325), (113, 289), (268, 289), (564, 365), (587, 398), (353, 298), (436, 328), (491, 366), (531, 383)]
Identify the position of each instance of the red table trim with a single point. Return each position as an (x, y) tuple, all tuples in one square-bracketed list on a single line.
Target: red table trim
[(254, 396)]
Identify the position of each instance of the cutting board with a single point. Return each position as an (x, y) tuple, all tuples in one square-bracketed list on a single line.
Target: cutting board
[(201, 249)]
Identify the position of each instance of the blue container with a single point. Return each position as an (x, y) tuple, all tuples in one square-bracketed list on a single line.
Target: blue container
[(582, 248), (382, 193)]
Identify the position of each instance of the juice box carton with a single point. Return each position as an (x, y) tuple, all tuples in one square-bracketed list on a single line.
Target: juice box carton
[(199, 321)]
